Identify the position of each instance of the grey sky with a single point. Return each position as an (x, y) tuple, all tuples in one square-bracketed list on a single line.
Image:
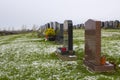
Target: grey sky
[(15, 13)]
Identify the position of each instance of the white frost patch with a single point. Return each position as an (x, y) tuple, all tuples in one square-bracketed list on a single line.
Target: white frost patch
[(53, 63), (35, 63), (28, 48), (108, 34), (74, 47), (39, 79), (119, 65), (79, 38), (81, 46), (111, 48), (26, 39), (90, 78), (50, 49), (97, 77)]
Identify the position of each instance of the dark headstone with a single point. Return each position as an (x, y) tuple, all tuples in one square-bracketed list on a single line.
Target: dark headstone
[(68, 35), (102, 24), (51, 24), (116, 24), (66, 52), (82, 25), (92, 57), (47, 25)]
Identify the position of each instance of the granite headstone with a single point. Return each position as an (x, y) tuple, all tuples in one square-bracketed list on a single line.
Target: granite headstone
[(92, 58), (68, 35)]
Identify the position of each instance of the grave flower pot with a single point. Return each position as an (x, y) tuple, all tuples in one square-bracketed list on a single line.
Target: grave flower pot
[(50, 34), (103, 60)]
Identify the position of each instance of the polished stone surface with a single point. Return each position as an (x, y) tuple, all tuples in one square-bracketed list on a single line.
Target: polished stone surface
[(92, 58)]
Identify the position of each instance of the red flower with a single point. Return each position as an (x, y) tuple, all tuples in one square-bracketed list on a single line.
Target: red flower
[(63, 49)]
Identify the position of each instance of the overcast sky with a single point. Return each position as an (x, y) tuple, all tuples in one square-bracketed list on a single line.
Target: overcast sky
[(15, 13)]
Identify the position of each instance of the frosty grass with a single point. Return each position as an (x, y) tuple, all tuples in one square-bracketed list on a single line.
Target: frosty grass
[(26, 57)]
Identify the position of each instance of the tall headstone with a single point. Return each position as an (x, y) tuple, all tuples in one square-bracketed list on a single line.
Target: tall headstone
[(55, 25), (92, 41), (47, 26), (66, 52), (68, 35), (102, 24), (92, 57)]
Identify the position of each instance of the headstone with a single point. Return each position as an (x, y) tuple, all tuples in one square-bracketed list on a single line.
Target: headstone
[(47, 25), (82, 25), (66, 52), (59, 33), (102, 24), (106, 24), (92, 57), (116, 24), (51, 24), (68, 35), (55, 25), (92, 41), (78, 26), (111, 24)]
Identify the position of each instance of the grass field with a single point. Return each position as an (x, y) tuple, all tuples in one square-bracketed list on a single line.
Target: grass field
[(26, 57)]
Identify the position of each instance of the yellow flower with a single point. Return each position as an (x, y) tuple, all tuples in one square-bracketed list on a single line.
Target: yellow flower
[(50, 32)]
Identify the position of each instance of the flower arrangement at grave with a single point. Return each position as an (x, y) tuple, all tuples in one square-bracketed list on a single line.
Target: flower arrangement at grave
[(103, 60), (50, 34)]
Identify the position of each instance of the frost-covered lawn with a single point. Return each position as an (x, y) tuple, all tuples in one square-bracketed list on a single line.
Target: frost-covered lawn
[(26, 57)]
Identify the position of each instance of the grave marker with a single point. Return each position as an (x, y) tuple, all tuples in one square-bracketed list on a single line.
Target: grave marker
[(111, 24), (93, 57), (47, 26), (59, 33), (116, 24), (106, 24), (68, 35), (51, 24), (66, 52)]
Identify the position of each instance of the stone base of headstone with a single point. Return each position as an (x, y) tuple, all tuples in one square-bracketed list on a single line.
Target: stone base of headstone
[(66, 55), (108, 67)]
